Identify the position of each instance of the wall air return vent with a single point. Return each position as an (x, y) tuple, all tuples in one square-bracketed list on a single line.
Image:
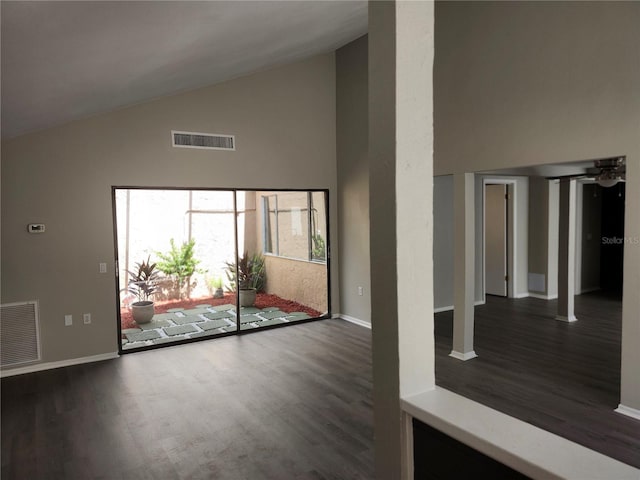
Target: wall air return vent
[(19, 336), (208, 141)]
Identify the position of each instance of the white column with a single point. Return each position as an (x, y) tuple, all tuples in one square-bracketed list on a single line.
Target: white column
[(401, 204), (566, 251), (630, 358), (463, 265)]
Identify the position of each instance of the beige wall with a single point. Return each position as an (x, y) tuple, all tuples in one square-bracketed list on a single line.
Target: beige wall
[(284, 122), (298, 280), (528, 83), (353, 179)]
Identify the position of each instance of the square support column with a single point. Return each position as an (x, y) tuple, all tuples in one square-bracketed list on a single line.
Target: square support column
[(630, 355), (567, 251), (401, 221), (463, 265)]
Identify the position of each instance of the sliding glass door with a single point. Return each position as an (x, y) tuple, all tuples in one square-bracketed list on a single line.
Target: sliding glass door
[(202, 263)]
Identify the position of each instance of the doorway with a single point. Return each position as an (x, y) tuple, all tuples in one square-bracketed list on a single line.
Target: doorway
[(214, 262), (496, 217)]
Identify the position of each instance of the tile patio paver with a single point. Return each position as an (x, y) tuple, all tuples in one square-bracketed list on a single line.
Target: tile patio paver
[(213, 324), (180, 329), (188, 319), (218, 315), (274, 314), (247, 310), (173, 310), (155, 324), (195, 311), (146, 335), (248, 319), (221, 308), (131, 330), (165, 316)]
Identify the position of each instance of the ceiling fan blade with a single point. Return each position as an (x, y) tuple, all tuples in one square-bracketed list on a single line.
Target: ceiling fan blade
[(575, 175)]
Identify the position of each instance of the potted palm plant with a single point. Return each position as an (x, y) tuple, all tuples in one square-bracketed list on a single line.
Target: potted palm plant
[(248, 275), (143, 284)]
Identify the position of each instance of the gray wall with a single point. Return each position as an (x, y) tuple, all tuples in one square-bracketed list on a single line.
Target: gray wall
[(443, 242), (528, 83), (352, 133), (284, 122), (538, 231)]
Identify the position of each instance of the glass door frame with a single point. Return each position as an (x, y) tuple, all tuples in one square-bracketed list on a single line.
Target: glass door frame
[(235, 191)]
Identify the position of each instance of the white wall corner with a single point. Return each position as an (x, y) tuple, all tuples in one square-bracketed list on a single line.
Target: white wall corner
[(348, 318), (628, 411)]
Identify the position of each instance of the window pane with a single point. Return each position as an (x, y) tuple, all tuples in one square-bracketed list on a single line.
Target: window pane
[(270, 224), (293, 226), (318, 227)]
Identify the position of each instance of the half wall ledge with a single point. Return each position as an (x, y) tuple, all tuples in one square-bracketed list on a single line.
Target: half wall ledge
[(523, 447)]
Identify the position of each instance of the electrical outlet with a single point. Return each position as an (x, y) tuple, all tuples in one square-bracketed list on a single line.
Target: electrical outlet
[(86, 317), (102, 268), (360, 291), (68, 320)]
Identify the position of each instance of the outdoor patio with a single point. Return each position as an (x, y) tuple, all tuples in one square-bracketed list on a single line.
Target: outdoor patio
[(201, 321)]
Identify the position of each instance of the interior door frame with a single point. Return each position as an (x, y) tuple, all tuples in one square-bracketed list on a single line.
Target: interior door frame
[(512, 219), (504, 203)]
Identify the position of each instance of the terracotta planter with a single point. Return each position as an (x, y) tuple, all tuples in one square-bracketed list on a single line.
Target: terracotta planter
[(247, 297), (142, 312)]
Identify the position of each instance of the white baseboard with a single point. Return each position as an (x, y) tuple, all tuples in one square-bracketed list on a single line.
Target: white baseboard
[(521, 295), (542, 296), (569, 319), (443, 309), (351, 319), (463, 356), (628, 411), (38, 367), (448, 308)]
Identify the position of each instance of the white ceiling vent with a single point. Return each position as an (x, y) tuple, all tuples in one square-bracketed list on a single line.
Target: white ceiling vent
[(209, 141)]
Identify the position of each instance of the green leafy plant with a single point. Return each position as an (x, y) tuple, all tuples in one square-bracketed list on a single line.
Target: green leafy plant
[(319, 251), (214, 284), (180, 264), (251, 273), (144, 280)]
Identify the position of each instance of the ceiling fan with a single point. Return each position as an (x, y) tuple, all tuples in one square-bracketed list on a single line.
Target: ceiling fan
[(606, 172)]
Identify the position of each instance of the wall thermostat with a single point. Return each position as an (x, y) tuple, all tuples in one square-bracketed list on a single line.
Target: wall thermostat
[(36, 228)]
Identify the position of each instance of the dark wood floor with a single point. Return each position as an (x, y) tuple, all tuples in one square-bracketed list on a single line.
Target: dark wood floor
[(288, 403), (564, 378)]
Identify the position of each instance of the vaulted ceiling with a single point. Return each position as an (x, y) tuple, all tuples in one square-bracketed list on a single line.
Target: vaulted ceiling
[(62, 61)]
